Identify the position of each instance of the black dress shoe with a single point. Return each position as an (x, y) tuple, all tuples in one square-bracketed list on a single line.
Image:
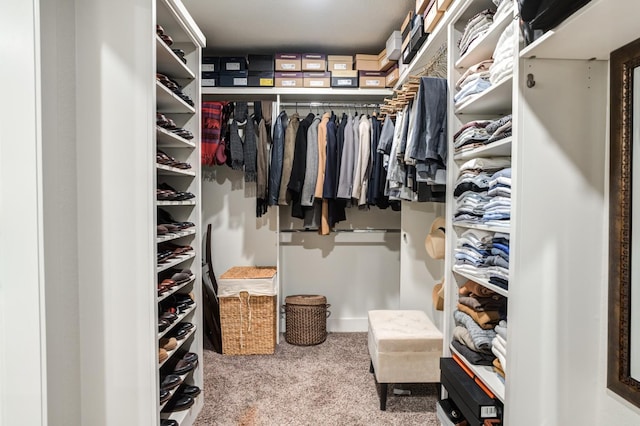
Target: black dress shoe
[(178, 403), (190, 357), (164, 395), (170, 381), (189, 390), (169, 422), (183, 367)]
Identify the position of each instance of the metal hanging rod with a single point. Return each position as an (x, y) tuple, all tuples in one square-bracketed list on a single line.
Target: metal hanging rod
[(353, 231), (330, 104)]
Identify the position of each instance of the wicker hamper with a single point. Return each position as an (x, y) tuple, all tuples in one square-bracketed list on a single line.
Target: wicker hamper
[(247, 320), (306, 319)]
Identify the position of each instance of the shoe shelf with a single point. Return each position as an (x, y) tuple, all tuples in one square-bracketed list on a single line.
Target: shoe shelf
[(188, 416), (178, 346), (167, 101), (486, 375), (190, 202), (174, 171), (172, 392), (181, 316), (496, 100), (175, 261), (175, 235), (168, 62), (482, 281), (484, 47), (168, 139), (490, 228), (501, 148), (175, 289)]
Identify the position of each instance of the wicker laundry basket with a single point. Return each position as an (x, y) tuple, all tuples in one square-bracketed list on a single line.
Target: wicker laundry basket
[(306, 319), (248, 316)]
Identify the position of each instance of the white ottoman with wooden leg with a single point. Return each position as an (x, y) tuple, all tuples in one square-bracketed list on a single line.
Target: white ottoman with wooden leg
[(405, 347)]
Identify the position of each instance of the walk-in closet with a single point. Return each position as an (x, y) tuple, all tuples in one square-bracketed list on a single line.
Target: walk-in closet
[(323, 212)]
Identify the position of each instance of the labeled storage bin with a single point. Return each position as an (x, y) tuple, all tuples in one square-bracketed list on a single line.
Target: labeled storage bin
[(306, 319), (248, 310)]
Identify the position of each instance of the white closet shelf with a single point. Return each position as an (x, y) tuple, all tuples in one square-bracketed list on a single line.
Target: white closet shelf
[(168, 139), (173, 391), (175, 289), (175, 261), (495, 100), (177, 203), (592, 32), (484, 47), (482, 281), (180, 343), (486, 374), (435, 40), (186, 417), (491, 228), (168, 62), (499, 148), (175, 235), (303, 94), (167, 101), (177, 321), (174, 171)]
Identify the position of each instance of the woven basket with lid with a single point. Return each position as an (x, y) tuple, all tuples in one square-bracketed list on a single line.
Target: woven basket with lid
[(306, 319)]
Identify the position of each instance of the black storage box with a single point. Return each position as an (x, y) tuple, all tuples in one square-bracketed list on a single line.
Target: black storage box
[(261, 63), (211, 64), (260, 78), (408, 54), (233, 63), (474, 403), (210, 79), (344, 78), (417, 40), (234, 79)]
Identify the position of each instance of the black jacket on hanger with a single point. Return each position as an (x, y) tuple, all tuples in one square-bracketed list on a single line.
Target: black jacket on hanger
[(299, 166)]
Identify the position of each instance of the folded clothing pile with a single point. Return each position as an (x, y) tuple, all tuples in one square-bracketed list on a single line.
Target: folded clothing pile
[(479, 133), (503, 55), (474, 81), (499, 348), (478, 25)]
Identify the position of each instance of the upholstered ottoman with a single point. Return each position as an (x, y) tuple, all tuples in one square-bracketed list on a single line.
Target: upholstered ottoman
[(405, 347)]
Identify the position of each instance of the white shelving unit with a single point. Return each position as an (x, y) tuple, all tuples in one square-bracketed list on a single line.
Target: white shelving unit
[(176, 22)]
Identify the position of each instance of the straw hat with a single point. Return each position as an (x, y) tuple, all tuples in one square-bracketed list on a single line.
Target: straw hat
[(434, 243)]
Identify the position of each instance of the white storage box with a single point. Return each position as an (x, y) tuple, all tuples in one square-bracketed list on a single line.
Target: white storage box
[(394, 46)]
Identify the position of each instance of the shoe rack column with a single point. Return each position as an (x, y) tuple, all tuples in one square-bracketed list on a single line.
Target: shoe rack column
[(178, 215)]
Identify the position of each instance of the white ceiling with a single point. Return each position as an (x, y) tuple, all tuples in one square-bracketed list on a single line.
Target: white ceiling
[(323, 26)]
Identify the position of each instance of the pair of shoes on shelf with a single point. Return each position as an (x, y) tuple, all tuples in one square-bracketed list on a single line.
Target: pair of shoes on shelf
[(168, 343), (174, 87), (165, 285), (188, 362), (165, 192), (166, 160), (163, 355), (165, 37), (180, 54), (169, 422), (170, 381), (168, 124), (181, 276), (164, 218), (181, 330), (183, 399)]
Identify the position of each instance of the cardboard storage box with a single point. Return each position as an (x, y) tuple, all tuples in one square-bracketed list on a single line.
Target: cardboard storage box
[(289, 79), (261, 63), (443, 5), (367, 62), (371, 79), (392, 77), (209, 79), (288, 62), (261, 79), (394, 46), (314, 62), (339, 63), (421, 5), (316, 79), (383, 61), (210, 64), (248, 311), (406, 25), (233, 63), (234, 79), (344, 78), (431, 19)]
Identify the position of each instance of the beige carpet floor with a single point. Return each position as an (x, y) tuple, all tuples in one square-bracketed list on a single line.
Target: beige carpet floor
[(326, 384)]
